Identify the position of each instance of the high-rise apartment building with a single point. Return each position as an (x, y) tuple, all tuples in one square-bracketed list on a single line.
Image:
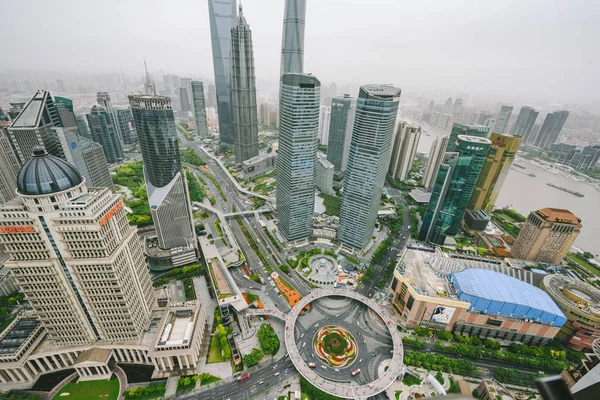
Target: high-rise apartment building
[(553, 124), (9, 168), (199, 106), (103, 99), (222, 15), (184, 100), (525, 122), (467, 130), (341, 121), (87, 156), (243, 90), (546, 236), (292, 43), (324, 175), (494, 171), (454, 185), (442, 120), (404, 150), (370, 149), (32, 127), (502, 119), (436, 155), (82, 270), (297, 155), (324, 123), (165, 180), (104, 132)]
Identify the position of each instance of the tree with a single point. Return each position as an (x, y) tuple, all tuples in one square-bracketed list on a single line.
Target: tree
[(253, 357), (268, 339)]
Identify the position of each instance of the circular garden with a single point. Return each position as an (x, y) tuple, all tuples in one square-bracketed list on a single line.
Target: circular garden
[(335, 346)]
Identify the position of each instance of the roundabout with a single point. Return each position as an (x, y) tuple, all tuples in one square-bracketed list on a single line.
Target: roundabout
[(339, 345)]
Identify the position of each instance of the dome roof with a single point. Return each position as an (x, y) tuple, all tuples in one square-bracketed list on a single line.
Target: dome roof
[(45, 174)]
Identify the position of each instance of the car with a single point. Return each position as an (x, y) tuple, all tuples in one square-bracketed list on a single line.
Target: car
[(374, 354), (304, 344), (337, 370), (285, 372), (312, 355), (261, 382), (337, 315), (324, 367), (276, 374), (301, 336), (364, 341), (360, 360)]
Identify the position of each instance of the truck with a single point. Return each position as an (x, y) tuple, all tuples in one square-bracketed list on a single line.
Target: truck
[(243, 377), (356, 372)]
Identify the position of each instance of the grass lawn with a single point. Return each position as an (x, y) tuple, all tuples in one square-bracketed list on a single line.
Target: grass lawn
[(189, 290), (410, 380), (584, 264), (210, 380), (304, 396), (214, 352), (398, 393), (90, 390)]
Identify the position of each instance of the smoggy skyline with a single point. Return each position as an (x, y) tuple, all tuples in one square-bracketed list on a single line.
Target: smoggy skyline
[(513, 50)]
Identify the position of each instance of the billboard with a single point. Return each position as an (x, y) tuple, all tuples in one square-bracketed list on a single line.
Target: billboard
[(442, 314)]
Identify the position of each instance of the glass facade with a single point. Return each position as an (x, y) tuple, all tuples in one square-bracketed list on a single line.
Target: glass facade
[(550, 129), (368, 161), (525, 122), (199, 109), (454, 186), (297, 155), (340, 131), (104, 131), (292, 43), (465, 129), (222, 16)]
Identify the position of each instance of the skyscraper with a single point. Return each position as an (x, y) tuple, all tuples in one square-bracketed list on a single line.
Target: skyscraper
[(453, 188), (64, 108), (103, 99), (222, 15), (494, 171), (551, 128), (502, 119), (292, 43), (82, 127), (404, 150), (149, 85), (324, 122), (165, 182), (86, 290), (243, 90), (436, 155), (104, 132), (125, 122), (546, 236), (31, 127), (184, 100), (9, 168), (297, 155), (464, 129), (199, 106), (369, 158), (525, 122), (341, 121)]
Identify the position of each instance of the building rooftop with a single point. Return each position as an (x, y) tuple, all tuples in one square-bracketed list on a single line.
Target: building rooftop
[(558, 215), (378, 90), (44, 174), (474, 139), (32, 113), (12, 338), (178, 328)]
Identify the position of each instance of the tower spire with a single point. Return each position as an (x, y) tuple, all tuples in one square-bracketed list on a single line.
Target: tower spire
[(149, 87)]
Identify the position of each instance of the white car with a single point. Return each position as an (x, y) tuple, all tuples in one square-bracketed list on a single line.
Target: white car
[(336, 370), (324, 367)]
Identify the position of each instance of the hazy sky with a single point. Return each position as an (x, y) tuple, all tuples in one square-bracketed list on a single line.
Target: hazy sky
[(515, 49)]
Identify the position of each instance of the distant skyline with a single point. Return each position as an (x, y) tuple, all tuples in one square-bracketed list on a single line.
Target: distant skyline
[(513, 50)]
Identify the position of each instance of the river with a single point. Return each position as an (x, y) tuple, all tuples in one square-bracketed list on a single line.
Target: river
[(525, 194)]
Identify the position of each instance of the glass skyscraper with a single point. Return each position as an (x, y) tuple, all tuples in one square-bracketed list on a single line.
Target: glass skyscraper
[(525, 122), (199, 109), (104, 132), (297, 155), (464, 129), (165, 181), (368, 161), (243, 89), (551, 128), (292, 43), (453, 188), (222, 15), (340, 131), (502, 119)]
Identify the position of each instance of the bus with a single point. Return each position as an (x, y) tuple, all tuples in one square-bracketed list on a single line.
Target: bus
[(312, 365), (356, 372), (262, 224), (243, 377)]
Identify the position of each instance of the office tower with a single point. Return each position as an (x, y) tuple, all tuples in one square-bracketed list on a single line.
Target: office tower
[(457, 107), (87, 157), (104, 132), (324, 175), (453, 188), (436, 155), (15, 109), (370, 146), (341, 121), (484, 118), (494, 171), (292, 43), (448, 106), (82, 127), (550, 129), (64, 108), (85, 290), (199, 109), (502, 119), (222, 15), (296, 155), (586, 159), (546, 236), (324, 122), (31, 127), (525, 122), (184, 100), (404, 150), (125, 122), (9, 168), (535, 131), (243, 91), (441, 120), (165, 180), (467, 130), (103, 99), (149, 86)]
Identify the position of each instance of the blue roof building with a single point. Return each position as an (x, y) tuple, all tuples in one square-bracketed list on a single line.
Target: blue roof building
[(494, 293)]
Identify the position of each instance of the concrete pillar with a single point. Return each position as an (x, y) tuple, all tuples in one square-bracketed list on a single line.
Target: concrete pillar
[(153, 359), (127, 354), (119, 355), (25, 372), (89, 371), (55, 361), (187, 361), (47, 363), (162, 362), (138, 356), (34, 369), (2, 378), (40, 365), (179, 362), (63, 359), (71, 357), (170, 363), (11, 375)]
